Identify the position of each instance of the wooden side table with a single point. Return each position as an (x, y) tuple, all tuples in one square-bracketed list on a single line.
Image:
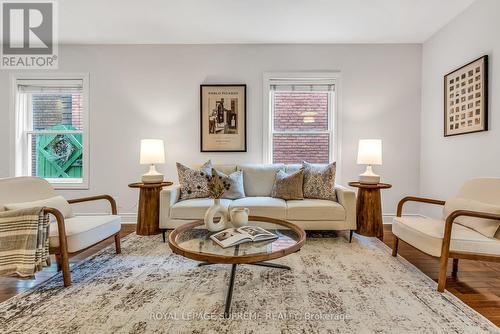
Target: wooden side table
[(148, 215), (369, 209)]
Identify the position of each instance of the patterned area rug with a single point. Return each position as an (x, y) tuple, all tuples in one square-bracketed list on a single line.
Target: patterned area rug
[(334, 287)]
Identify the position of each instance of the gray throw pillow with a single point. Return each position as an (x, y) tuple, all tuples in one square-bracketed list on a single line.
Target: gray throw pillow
[(194, 182), (288, 186), (234, 182), (319, 181)]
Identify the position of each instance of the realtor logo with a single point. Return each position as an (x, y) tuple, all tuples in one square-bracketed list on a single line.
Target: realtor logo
[(28, 35)]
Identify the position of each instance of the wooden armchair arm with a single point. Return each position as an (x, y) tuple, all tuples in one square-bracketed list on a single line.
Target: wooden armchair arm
[(417, 199), (451, 219), (61, 228), (110, 199), (63, 243)]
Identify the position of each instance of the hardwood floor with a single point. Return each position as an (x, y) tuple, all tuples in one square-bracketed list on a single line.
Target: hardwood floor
[(477, 284)]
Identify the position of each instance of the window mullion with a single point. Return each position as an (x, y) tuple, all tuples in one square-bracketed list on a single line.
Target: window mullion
[(302, 132), (54, 132)]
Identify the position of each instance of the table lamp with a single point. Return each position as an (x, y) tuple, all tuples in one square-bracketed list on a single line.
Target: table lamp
[(152, 152), (369, 153)]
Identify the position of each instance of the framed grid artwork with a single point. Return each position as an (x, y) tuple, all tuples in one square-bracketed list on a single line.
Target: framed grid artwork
[(466, 98)]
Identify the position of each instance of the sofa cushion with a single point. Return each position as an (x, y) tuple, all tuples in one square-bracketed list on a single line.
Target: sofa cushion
[(194, 208), (233, 183), (288, 186), (85, 231), (262, 206), (194, 183), (259, 178), (486, 227), (56, 202), (226, 169), (314, 209), (319, 181), (426, 234)]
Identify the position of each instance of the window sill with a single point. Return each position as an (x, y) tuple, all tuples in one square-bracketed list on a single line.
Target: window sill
[(68, 184)]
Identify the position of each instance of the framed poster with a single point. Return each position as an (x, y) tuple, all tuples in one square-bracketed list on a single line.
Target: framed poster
[(223, 118), (466, 98)]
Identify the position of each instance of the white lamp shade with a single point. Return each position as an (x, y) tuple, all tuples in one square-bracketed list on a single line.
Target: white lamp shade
[(370, 152), (152, 152)]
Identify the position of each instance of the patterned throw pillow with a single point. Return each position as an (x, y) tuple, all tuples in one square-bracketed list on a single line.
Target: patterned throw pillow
[(319, 181), (288, 186), (193, 182), (234, 182)]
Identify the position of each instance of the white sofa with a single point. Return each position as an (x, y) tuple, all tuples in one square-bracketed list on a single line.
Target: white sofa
[(258, 179)]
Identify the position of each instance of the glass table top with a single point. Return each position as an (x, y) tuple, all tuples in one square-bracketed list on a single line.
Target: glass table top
[(198, 240)]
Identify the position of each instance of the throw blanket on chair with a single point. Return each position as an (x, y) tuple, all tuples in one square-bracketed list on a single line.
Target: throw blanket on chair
[(24, 243)]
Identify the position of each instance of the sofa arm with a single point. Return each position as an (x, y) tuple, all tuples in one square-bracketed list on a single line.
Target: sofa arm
[(347, 198), (168, 197)]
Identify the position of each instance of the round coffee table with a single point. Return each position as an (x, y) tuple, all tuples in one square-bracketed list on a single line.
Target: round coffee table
[(193, 241)]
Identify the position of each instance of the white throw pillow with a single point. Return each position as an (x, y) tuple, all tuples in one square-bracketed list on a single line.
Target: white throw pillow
[(233, 183), (486, 227), (56, 202)]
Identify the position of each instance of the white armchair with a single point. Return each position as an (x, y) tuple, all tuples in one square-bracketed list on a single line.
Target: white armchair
[(68, 234), (469, 228)]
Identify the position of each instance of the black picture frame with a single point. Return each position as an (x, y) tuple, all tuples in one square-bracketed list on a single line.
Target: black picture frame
[(483, 99), (241, 116)]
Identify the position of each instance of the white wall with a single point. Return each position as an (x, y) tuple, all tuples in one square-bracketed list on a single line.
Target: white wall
[(153, 91), (447, 162)]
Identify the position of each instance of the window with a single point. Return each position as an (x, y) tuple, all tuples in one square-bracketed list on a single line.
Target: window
[(51, 129), (300, 122)]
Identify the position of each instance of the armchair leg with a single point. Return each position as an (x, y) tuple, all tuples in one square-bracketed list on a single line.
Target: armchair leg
[(443, 264), (118, 243), (455, 268), (58, 262), (395, 246), (65, 269), (163, 231)]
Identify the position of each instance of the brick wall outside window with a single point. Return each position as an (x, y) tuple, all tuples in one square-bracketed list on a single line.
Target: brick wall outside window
[(303, 112)]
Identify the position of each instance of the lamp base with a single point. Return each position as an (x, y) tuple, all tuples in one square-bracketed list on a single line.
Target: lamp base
[(369, 177), (152, 176)]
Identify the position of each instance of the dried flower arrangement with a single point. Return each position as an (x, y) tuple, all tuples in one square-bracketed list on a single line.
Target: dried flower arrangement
[(216, 185)]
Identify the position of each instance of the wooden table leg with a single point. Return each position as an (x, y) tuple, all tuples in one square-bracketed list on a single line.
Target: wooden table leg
[(369, 213), (148, 220)]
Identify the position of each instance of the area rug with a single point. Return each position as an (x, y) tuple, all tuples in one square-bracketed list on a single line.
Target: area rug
[(334, 287)]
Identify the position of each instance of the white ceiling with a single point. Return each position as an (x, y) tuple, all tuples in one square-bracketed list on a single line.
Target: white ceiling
[(253, 21)]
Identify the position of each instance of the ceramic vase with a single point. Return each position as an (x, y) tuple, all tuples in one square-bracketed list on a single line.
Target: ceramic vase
[(239, 217), (216, 210)]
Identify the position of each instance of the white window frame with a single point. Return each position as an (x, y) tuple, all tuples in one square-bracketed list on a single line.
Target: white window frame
[(20, 162), (334, 119)]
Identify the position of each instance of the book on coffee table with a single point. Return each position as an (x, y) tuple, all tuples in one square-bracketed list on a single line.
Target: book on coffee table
[(235, 236)]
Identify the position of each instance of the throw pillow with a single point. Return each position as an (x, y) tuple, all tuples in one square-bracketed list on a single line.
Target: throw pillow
[(233, 183), (194, 182), (486, 227), (56, 202), (288, 186), (319, 181)]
